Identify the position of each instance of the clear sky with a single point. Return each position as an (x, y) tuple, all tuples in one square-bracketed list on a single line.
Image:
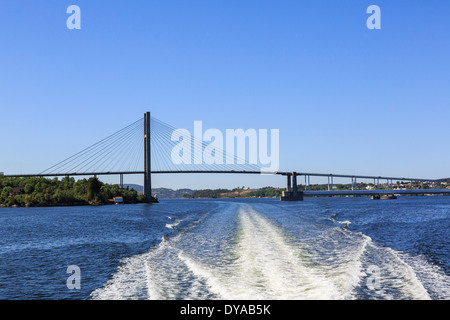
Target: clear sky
[(346, 99)]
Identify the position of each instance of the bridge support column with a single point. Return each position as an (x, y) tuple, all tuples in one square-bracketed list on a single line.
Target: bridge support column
[(294, 184), (291, 193), (147, 161), (288, 183), (330, 179)]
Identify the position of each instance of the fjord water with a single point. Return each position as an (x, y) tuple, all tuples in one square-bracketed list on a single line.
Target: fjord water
[(321, 248)]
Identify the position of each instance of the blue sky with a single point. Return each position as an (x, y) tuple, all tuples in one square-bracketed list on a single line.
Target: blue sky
[(346, 99)]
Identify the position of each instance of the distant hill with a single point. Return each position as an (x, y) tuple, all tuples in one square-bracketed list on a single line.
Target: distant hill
[(163, 193), (136, 187)]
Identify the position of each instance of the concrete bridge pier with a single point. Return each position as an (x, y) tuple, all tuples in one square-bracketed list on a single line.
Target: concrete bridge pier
[(291, 193)]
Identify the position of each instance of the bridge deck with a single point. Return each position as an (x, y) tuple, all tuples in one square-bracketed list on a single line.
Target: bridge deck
[(375, 192), (219, 172)]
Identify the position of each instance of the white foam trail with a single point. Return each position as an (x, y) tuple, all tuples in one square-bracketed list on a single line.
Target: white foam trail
[(214, 278), (167, 277), (398, 274), (432, 277), (127, 283), (344, 264), (266, 265), (268, 258), (263, 261), (149, 276)]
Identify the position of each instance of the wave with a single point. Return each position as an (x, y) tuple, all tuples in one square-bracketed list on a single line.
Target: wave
[(172, 225)]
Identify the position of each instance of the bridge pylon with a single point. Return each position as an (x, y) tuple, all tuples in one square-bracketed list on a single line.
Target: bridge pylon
[(147, 160)]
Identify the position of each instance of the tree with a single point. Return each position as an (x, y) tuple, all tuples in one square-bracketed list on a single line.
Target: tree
[(29, 188), (93, 187), (6, 192)]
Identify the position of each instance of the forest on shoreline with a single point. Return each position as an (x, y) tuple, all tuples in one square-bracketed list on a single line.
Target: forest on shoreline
[(40, 192)]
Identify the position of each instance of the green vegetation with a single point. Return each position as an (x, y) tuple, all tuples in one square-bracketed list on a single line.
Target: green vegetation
[(207, 193), (25, 192), (267, 192)]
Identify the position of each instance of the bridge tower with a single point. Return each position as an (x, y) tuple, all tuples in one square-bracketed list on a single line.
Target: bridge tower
[(147, 161)]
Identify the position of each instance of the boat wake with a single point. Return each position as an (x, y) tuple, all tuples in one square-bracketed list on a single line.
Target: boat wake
[(243, 254)]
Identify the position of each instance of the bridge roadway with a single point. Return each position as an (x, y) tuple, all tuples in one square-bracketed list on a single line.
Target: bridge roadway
[(221, 172), (375, 192)]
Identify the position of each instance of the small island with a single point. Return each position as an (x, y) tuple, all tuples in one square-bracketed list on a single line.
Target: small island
[(43, 192)]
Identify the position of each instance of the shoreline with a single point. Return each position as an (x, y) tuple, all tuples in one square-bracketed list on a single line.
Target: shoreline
[(64, 205), (81, 204)]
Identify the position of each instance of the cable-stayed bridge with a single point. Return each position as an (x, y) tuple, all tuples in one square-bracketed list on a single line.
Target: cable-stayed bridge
[(149, 146)]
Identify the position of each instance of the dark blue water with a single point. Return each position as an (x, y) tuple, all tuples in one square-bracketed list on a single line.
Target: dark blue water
[(322, 248)]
